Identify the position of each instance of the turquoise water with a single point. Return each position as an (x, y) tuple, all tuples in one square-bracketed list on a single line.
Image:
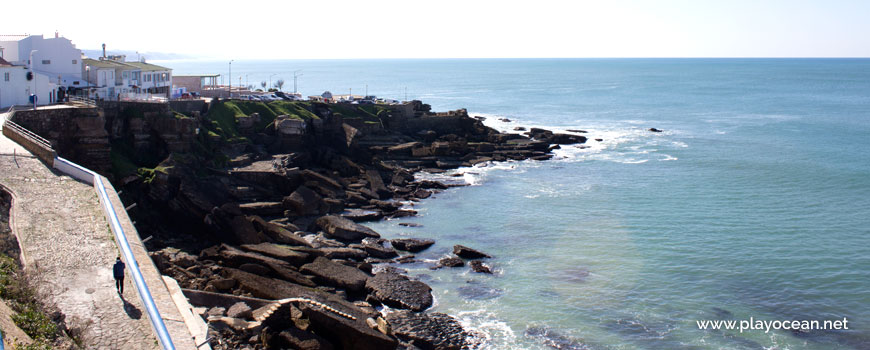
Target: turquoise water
[(754, 202)]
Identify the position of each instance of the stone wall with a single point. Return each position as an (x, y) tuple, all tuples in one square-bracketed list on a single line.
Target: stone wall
[(76, 134), (32, 143)]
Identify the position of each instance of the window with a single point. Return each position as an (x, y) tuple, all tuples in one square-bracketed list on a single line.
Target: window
[(46, 61), (75, 61), (124, 75), (6, 76)]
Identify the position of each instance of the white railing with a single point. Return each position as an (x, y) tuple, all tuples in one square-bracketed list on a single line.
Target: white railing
[(90, 177)]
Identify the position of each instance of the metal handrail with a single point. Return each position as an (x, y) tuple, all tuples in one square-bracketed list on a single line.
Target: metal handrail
[(83, 100), (27, 133), (139, 281)]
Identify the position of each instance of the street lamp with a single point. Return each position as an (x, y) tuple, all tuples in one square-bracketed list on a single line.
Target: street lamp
[(33, 82), (88, 69), (270, 80), (230, 79), (294, 80)]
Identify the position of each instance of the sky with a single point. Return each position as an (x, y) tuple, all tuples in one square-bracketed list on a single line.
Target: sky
[(454, 28)]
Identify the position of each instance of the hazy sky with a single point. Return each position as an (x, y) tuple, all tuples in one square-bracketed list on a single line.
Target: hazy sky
[(451, 28)]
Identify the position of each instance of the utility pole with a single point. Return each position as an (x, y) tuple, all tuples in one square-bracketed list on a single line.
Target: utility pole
[(367, 90), (294, 79), (33, 82), (230, 79), (270, 81)]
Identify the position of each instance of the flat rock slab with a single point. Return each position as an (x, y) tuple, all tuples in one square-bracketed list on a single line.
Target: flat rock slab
[(344, 229), (398, 291), (277, 251), (428, 330), (411, 244), (335, 274)]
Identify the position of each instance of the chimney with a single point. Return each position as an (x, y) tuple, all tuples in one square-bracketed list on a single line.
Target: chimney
[(104, 50), (55, 34)]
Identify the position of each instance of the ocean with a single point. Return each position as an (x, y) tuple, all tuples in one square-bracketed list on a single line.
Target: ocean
[(753, 203)]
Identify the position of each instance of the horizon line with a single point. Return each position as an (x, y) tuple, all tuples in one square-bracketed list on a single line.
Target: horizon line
[(515, 58)]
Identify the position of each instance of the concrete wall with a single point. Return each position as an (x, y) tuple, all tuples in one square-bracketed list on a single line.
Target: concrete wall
[(188, 106)]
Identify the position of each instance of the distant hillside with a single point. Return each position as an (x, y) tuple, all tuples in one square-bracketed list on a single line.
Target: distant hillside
[(131, 55)]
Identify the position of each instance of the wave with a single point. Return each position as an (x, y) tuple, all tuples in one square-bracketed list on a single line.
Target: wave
[(623, 141)]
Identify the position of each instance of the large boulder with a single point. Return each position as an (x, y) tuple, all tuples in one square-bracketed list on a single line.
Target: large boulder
[(243, 231), (344, 253), (378, 250), (278, 233), (376, 183), (295, 338), (450, 261), (428, 331), (411, 244), (303, 201), (567, 139), (468, 253), (399, 291), (344, 229), (337, 275)]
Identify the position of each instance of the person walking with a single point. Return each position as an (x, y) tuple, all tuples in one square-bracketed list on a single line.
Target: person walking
[(118, 271)]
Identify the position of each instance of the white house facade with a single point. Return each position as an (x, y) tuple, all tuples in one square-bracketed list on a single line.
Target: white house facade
[(56, 58), (15, 89), (113, 78)]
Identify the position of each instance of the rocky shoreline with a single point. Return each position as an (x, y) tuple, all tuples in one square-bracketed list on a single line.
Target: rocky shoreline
[(270, 246)]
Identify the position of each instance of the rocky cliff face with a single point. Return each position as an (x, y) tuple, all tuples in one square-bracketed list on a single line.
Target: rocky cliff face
[(280, 219)]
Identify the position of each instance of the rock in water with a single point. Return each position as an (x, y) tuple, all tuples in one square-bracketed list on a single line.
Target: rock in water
[(398, 291), (468, 253), (428, 331), (411, 244), (478, 266), (450, 261), (655, 130), (344, 229)]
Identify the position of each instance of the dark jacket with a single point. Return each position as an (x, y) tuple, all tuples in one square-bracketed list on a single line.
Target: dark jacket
[(118, 269)]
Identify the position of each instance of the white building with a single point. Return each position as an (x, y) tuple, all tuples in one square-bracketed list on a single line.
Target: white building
[(154, 79), (56, 58), (15, 89), (113, 78)]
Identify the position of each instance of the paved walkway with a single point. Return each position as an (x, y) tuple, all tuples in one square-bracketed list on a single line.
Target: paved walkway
[(69, 249)]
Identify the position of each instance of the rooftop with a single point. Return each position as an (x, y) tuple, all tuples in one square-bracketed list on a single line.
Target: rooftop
[(103, 63), (4, 63), (147, 67)]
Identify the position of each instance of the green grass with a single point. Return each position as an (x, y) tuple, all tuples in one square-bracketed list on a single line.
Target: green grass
[(29, 315), (148, 174), (179, 115)]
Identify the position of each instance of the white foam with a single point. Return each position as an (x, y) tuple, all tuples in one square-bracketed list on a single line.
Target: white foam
[(622, 141), (492, 333)]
